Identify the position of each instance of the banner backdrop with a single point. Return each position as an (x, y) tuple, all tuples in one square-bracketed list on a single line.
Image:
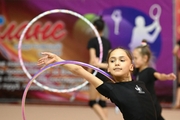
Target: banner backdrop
[(67, 36)]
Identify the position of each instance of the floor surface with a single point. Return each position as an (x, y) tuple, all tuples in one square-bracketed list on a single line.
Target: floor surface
[(65, 112)]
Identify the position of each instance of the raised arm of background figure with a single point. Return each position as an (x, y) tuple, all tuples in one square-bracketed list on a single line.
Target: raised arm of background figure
[(162, 76), (49, 58)]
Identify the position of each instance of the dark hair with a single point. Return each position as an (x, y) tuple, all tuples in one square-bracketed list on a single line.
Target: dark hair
[(99, 24), (145, 50), (126, 51)]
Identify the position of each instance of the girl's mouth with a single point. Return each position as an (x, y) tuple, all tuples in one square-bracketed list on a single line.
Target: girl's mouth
[(117, 69)]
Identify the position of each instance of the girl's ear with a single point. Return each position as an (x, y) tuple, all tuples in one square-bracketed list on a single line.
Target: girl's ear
[(132, 67), (145, 57)]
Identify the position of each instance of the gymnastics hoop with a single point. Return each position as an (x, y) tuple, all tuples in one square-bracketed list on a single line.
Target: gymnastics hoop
[(153, 7), (53, 65), (42, 15)]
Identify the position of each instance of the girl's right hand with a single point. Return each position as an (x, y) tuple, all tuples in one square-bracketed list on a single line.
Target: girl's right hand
[(48, 58)]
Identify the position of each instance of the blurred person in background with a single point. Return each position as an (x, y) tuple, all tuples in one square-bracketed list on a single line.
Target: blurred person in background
[(97, 101), (142, 58)]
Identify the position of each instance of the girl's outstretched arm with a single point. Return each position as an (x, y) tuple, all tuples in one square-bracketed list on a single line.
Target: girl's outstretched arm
[(49, 58), (162, 76)]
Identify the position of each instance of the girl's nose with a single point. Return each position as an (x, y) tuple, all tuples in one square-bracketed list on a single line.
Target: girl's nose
[(117, 63)]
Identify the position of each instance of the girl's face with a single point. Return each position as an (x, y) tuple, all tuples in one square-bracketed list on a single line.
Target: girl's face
[(119, 64), (138, 59)]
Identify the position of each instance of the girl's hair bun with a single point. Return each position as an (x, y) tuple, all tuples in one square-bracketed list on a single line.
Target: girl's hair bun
[(144, 43)]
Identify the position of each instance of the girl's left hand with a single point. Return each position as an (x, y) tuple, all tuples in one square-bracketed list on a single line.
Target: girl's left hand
[(48, 58)]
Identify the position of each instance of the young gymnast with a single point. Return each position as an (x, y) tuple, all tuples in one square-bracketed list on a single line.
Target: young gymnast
[(131, 97), (143, 72), (97, 101)]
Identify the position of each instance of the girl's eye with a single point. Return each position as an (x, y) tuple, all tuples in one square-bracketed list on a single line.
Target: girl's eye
[(112, 61), (122, 60)]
